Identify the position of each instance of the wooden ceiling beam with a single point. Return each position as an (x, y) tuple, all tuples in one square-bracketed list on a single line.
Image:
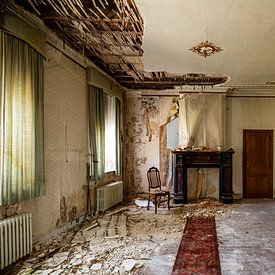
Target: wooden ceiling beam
[(139, 54), (174, 83), (89, 19)]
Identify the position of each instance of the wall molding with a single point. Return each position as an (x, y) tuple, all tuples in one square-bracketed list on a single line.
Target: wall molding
[(251, 91)]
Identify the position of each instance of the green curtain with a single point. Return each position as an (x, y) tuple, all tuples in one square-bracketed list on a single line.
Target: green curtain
[(97, 102), (118, 136), (21, 121)]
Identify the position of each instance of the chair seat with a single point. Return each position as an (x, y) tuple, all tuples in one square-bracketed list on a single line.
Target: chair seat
[(159, 192)]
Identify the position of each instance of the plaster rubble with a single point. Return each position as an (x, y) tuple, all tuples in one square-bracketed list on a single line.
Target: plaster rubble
[(147, 236)]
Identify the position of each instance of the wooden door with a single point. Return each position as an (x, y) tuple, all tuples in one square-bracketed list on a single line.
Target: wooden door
[(258, 163)]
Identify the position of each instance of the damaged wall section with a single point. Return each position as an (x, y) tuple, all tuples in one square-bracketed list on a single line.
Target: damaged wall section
[(146, 138), (144, 116)]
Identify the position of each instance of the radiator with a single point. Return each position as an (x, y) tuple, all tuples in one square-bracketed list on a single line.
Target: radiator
[(109, 195), (15, 238)]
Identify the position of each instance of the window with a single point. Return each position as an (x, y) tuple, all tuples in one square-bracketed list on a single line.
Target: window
[(110, 134), (21, 121), (104, 133)]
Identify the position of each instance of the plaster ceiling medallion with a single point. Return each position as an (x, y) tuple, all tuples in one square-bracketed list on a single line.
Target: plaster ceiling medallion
[(206, 48)]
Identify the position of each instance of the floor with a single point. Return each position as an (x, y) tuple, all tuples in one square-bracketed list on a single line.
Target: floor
[(247, 239), (132, 240), (126, 240)]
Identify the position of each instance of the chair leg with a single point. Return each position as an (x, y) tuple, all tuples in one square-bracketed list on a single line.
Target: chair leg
[(156, 202), (148, 202), (159, 201), (168, 201)]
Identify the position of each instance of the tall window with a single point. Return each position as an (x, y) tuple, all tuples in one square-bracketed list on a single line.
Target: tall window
[(21, 121), (110, 134), (104, 133)]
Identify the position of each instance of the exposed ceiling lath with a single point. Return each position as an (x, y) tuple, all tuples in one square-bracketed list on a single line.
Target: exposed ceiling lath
[(3, 4), (110, 34)]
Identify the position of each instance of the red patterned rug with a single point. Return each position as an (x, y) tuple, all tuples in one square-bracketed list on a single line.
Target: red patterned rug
[(198, 251)]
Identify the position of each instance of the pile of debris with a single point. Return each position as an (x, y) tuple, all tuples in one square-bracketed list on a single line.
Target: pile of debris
[(124, 241)]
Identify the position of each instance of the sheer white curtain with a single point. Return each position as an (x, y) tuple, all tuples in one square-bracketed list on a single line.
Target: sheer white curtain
[(110, 134)]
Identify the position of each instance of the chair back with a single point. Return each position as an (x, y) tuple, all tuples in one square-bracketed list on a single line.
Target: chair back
[(153, 178)]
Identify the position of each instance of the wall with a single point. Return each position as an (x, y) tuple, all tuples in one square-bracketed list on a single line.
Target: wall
[(146, 141), (65, 135), (100, 80), (66, 146), (247, 113), (143, 117)]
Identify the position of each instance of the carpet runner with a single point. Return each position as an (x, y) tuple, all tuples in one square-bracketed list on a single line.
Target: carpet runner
[(198, 251)]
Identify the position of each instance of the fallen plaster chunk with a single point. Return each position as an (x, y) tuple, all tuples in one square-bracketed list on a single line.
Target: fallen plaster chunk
[(143, 203), (96, 267), (129, 264), (27, 266), (114, 237), (58, 272), (85, 269), (76, 262), (88, 260), (117, 211), (59, 258), (46, 272), (91, 226), (115, 270)]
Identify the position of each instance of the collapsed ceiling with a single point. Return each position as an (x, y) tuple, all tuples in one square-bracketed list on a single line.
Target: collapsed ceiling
[(110, 34)]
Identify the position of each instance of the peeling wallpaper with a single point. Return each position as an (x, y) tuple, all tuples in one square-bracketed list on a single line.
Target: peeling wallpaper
[(145, 141), (145, 146), (143, 117)]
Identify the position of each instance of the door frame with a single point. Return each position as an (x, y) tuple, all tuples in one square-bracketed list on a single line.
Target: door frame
[(244, 159)]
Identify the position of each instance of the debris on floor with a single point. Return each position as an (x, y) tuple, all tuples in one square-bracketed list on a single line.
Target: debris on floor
[(126, 240), (143, 203)]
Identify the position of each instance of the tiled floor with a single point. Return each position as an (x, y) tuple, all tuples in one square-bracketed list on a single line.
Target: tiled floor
[(247, 239)]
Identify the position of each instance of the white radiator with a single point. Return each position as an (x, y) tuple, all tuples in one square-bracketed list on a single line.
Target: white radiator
[(15, 238), (109, 195)]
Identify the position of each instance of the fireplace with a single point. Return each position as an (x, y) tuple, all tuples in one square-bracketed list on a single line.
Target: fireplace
[(182, 160)]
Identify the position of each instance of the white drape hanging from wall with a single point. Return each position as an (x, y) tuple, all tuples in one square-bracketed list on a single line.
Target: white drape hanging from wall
[(202, 124), (201, 120)]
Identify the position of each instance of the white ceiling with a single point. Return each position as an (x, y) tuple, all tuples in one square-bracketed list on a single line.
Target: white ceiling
[(244, 29)]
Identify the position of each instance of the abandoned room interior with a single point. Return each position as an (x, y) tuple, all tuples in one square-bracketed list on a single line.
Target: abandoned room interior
[(136, 137)]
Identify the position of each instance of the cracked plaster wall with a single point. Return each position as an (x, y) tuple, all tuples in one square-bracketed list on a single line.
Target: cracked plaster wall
[(145, 145), (143, 117)]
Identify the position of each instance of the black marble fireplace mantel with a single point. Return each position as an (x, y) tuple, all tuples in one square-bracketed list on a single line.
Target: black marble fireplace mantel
[(182, 160)]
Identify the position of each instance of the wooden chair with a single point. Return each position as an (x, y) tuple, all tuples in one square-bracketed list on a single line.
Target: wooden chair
[(155, 189)]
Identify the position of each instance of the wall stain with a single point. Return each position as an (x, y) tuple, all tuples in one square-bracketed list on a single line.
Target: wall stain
[(63, 210), (72, 214), (7, 211), (150, 113)]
